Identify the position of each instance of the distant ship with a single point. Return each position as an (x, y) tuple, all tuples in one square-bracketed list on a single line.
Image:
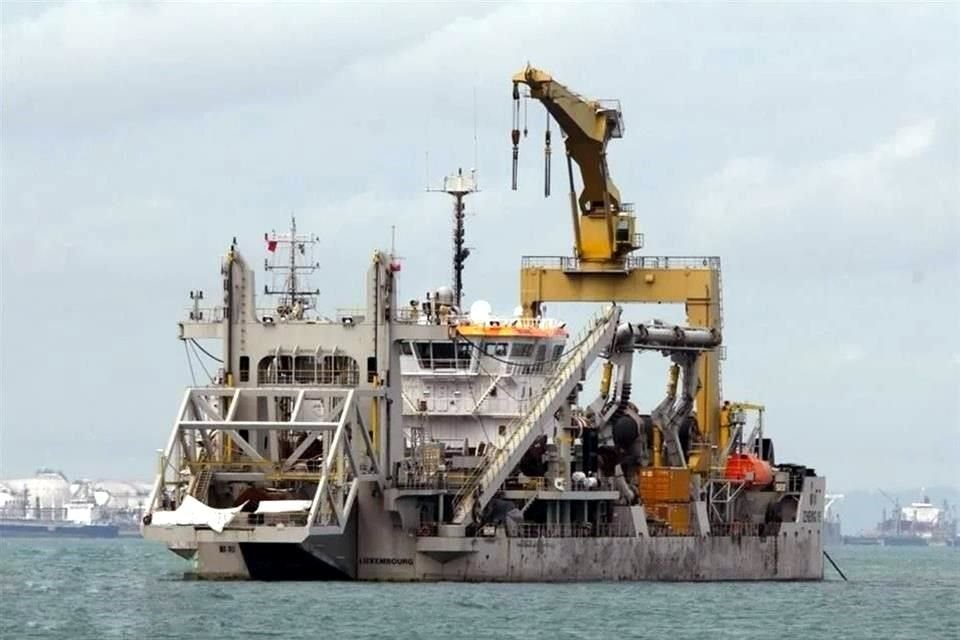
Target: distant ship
[(920, 524), (49, 505), (832, 534)]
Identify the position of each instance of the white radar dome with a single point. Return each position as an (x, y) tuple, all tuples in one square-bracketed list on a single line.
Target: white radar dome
[(480, 311), (445, 295)]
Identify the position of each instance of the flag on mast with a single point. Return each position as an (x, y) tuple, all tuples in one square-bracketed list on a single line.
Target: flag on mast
[(271, 244)]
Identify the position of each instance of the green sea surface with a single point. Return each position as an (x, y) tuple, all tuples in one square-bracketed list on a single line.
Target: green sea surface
[(130, 588)]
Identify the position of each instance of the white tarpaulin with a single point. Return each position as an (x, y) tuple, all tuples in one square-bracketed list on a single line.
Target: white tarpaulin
[(193, 512), (283, 506)]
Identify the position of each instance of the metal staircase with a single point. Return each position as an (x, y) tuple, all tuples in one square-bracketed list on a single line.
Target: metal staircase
[(487, 477), (201, 484)]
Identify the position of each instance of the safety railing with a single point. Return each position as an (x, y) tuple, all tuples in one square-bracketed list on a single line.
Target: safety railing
[(205, 314), (574, 530), (744, 529), (244, 520), (567, 263), (217, 314)]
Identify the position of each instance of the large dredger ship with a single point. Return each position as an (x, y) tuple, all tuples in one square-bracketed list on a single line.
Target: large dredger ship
[(430, 440)]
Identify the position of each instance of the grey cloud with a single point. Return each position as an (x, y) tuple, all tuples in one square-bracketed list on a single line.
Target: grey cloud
[(813, 147)]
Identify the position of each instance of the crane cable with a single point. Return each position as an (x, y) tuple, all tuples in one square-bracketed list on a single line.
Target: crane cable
[(186, 352), (201, 362), (209, 355)]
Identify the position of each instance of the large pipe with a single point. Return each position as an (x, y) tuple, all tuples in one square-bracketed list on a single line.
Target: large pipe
[(605, 377), (674, 336)]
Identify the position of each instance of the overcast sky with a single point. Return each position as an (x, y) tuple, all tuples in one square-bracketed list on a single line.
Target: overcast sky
[(815, 148)]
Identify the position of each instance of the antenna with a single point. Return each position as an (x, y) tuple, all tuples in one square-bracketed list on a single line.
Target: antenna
[(476, 165), (459, 186), (285, 248)]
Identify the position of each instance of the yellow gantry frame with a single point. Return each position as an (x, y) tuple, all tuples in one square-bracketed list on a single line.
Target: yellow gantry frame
[(696, 287)]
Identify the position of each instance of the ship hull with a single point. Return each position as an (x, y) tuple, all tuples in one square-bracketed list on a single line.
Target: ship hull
[(674, 559), (783, 557), (28, 529), (905, 541)]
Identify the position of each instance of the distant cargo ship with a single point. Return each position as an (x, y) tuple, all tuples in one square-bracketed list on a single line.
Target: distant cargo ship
[(49, 505), (920, 524), (32, 528)]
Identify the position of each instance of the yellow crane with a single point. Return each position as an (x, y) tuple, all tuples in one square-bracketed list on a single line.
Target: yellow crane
[(603, 229), (605, 267)]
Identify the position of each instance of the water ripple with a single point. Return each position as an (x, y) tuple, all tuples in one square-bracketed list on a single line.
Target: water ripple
[(103, 589)]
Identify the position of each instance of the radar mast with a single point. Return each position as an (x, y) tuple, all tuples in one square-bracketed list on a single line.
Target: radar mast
[(459, 186), (291, 263)]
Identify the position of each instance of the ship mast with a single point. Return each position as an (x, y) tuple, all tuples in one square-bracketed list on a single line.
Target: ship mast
[(288, 275), (459, 186)]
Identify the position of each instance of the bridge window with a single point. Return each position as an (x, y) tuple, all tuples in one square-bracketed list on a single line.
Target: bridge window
[(521, 350), (307, 370), (498, 349), (443, 354), (541, 353), (340, 370)]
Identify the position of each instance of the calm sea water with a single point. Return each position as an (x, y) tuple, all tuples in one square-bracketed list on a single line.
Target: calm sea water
[(98, 589)]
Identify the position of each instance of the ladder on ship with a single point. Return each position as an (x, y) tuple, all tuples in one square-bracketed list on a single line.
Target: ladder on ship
[(201, 484), (487, 477)]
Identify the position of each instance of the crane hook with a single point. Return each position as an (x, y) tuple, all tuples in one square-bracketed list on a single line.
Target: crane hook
[(546, 160), (515, 134)]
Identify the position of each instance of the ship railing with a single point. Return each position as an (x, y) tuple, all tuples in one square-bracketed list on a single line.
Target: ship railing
[(631, 262), (214, 315), (442, 481), (531, 530), (205, 314), (574, 530), (409, 315), (244, 520), (744, 529)]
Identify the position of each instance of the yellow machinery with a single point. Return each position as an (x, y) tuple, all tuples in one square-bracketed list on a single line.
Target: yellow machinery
[(733, 418), (603, 268)]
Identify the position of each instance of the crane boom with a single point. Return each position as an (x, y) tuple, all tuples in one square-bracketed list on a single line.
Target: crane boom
[(603, 231)]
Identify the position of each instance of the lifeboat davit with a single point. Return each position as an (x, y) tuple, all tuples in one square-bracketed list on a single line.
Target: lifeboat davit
[(754, 472)]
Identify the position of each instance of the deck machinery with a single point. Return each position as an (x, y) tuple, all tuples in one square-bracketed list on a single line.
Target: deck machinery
[(419, 440)]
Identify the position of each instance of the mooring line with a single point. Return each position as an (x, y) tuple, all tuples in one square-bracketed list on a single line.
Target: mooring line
[(827, 556)]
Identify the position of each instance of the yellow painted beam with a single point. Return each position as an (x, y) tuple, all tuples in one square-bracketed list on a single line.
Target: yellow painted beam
[(692, 282)]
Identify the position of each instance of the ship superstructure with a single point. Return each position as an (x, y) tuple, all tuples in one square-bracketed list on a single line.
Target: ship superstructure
[(920, 523), (420, 440)]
